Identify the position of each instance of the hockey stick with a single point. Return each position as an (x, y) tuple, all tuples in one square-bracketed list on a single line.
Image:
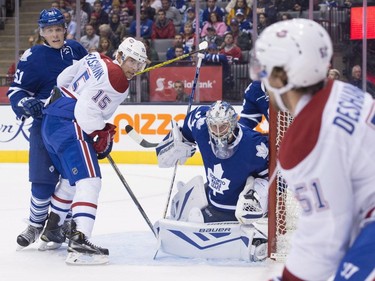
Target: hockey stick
[(118, 172), (202, 47), (138, 138), (191, 99)]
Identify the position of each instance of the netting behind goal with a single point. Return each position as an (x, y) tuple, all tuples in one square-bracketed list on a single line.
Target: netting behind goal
[(283, 208)]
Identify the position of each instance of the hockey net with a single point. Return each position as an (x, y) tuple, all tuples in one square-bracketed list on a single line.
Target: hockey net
[(283, 209)]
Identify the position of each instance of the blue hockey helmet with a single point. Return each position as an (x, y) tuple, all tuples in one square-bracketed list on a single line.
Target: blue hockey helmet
[(51, 17)]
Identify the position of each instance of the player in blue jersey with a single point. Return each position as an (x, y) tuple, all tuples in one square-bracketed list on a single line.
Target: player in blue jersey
[(255, 105), (235, 160), (34, 79)]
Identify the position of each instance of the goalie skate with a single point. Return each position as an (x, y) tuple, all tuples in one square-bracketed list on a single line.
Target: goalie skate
[(82, 252), (28, 236)]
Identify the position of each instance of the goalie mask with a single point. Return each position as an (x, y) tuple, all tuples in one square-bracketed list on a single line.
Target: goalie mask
[(221, 121), (135, 49), (301, 47)]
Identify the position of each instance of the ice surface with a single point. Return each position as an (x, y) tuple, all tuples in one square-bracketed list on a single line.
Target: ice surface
[(119, 227)]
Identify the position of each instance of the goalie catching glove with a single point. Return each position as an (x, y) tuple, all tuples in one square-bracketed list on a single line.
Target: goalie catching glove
[(174, 149), (252, 202), (103, 140)]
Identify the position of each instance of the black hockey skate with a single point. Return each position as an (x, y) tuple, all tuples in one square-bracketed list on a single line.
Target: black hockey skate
[(28, 236), (53, 235), (82, 251)]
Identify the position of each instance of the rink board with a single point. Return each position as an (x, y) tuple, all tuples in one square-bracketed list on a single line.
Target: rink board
[(151, 121)]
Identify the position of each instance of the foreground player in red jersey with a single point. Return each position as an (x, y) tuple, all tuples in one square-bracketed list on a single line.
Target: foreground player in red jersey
[(326, 156)]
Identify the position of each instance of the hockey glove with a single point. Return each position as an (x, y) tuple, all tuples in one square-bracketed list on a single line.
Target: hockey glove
[(174, 149), (32, 107), (252, 201), (103, 140)]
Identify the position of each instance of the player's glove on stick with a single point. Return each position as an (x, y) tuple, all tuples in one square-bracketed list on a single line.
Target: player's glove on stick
[(103, 140), (174, 149), (32, 107)]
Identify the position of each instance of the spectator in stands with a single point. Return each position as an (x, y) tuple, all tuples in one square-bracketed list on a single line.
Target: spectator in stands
[(334, 74), (216, 22), (117, 27), (156, 4), (122, 13), (106, 5), (188, 37), (178, 39), (94, 22), (212, 7), (71, 26), (234, 5), (84, 18), (106, 31), (244, 25), (213, 57), (171, 12), (145, 25), (150, 11), (262, 22), (212, 37), (105, 47), (356, 80), (286, 16), (12, 68), (191, 7), (267, 7), (283, 6), (152, 54), (102, 16), (230, 49), (179, 51), (55, 4), (179, 87), (64, 6), (163, 28), (87, 8), (241, 39), (91, 39), (128, 6), (190, 12)]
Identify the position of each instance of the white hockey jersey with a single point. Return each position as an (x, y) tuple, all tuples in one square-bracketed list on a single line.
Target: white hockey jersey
[(99, 85), (327, 158)]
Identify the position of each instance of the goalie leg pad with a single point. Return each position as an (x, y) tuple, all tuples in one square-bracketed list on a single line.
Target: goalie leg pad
[(189, 198), (219, 240)]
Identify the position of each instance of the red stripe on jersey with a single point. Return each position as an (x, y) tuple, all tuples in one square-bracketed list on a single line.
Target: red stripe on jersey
[(302, 135), (68, 93), (85, 151), (116, 76), (85, 204), (61, 200), (288, 276)]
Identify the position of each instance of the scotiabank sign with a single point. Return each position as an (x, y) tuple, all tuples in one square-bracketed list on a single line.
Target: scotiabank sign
[(210, 82)]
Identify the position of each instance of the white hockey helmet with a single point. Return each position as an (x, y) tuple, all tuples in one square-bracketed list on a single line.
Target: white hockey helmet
[(221, 121), (135, 49), (302, 47)]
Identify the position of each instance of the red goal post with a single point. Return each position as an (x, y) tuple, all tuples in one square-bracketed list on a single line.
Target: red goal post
[(283, 209)]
